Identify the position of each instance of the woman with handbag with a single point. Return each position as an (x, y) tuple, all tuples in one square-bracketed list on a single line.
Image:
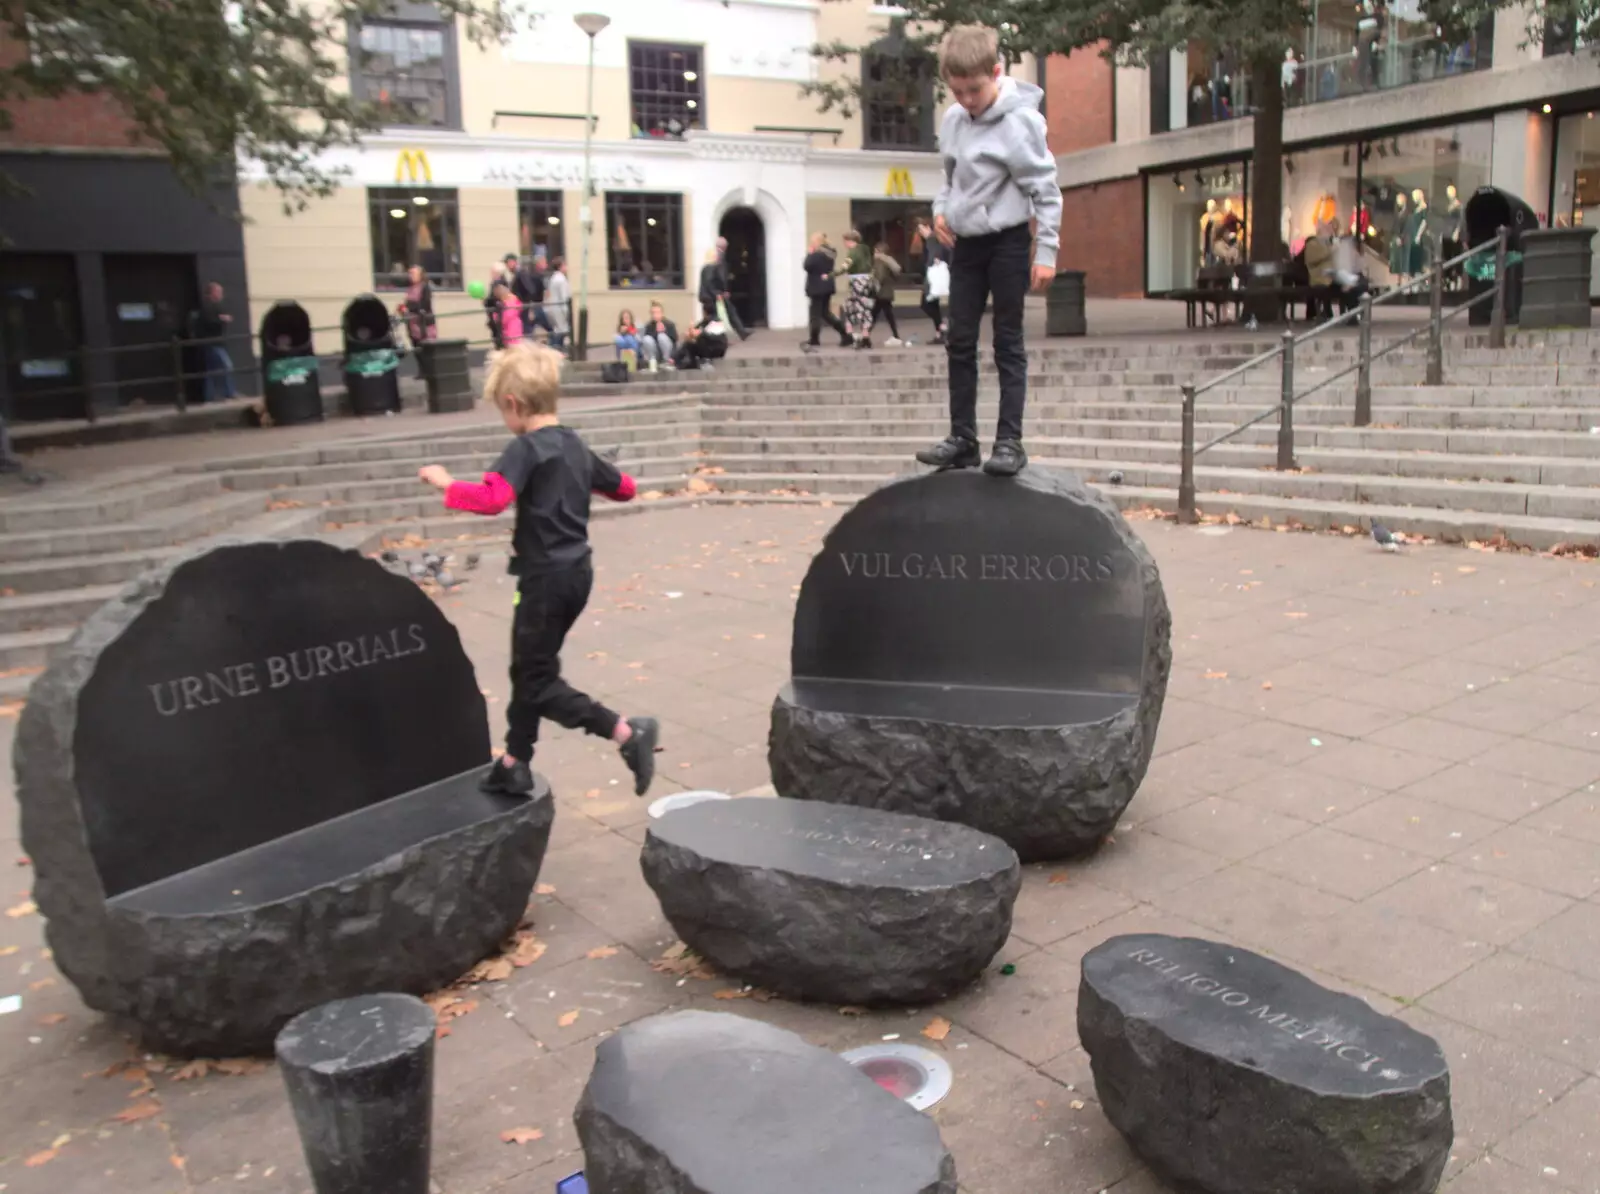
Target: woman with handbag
[(935, 276)]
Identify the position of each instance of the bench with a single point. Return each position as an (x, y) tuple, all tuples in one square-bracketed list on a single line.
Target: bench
[(249, 786)]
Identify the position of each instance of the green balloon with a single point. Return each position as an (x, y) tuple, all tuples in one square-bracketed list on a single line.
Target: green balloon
[(476, 290)]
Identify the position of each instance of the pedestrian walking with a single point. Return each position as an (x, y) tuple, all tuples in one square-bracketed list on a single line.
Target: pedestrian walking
[(858, 307), (935, 276), (885, 269), (820, 287), (557, 309), (210, 327)]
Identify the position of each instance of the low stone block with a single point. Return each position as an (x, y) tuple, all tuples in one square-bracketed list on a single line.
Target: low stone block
[(708, 1103), (1232, 1074), (832, 903)]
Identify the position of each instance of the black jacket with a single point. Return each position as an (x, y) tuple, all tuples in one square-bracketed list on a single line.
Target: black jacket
[(933, 250), (649, 328), (819, 273), (712, 283), (528, 284)]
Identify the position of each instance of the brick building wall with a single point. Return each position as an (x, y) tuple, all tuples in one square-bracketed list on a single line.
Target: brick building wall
[(1102, 233), (1080, 100), (70, 122)]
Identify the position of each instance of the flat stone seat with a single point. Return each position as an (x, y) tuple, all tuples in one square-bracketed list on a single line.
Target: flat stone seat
[(329, 853), (831, 903), (1230, 1073), (709, 1103), (969, 705), (983, 651)]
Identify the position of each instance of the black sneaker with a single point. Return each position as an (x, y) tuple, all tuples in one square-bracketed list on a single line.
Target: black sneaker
[(515, 780), (846, 340), (639, 752), (1007, 460), (954, 451), (864, 342)]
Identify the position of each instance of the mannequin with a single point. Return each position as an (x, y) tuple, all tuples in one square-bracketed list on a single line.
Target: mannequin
[(1209, 220), (1416, 235), (1286, 225), (1399, 251), (1452, 213)]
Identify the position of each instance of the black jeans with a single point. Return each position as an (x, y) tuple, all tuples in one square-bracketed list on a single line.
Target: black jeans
[(547, 606), (998, 265), (820, 314), (932, 309), (884, 308)]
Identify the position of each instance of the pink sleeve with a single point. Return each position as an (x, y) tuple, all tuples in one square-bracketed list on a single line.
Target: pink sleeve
[(624, 492), (491, 497)]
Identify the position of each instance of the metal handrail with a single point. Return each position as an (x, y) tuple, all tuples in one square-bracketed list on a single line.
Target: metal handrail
[(1362, 314)]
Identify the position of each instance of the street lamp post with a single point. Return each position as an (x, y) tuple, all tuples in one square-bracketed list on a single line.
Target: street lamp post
[(591, 23)]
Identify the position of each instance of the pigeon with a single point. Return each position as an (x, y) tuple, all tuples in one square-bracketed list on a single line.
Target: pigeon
[(1116, 476), (1384, 537), (390, 557), (431, 562), (472, 561), (446, 579), (418, 571), (609, 455)]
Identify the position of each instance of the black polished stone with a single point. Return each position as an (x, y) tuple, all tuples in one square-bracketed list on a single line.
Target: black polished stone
[(992, 652), (1232, 1074), (831, 903), (360, 1079), (707, 1103), (249, 786)]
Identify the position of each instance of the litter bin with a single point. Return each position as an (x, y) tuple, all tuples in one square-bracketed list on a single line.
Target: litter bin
[(1489, 210), (1063, 305), (1555, 278), (289, 364), (444, 367), (371, 357)]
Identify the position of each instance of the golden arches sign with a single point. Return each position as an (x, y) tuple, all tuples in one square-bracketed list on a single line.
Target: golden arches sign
[(412, 166), (899, 183)]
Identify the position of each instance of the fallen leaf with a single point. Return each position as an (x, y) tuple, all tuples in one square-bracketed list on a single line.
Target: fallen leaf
[(1297, 613), (1058, 878), (545, 889), (1076, 1104), (527, 950), (178, 1162), (592, 794), (521, 1135), (938, 1028), (603, 951), (42, 1158), (1216, 675), (491, 970), (138, 1111), (238, 1067), (1267, 684), (41, 984), (26, 908), (731, 993), (568, 1019), (8, 951), (1466, 568), (53, 1018)]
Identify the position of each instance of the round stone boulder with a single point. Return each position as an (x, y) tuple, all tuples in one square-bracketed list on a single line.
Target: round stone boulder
[(977, 650), (708, 1103), (830, 903), (1232, 1074)]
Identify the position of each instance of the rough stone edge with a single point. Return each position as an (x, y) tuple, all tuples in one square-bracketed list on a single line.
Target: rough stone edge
[(44, 768)]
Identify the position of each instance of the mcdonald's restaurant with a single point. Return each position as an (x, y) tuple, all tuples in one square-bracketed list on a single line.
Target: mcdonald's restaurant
[(456, 204)]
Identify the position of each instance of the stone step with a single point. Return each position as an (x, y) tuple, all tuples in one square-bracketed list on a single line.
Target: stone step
[(29, 649), (71, 509), (815, 455), (859, 474), (57, 573), (157, 529), (425, 505), (52, 610)]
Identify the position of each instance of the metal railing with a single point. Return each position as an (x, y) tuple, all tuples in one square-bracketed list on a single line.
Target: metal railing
[(180, 374), (1362, 367)]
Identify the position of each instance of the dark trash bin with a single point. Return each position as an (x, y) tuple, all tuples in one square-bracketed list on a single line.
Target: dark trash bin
[(371, 357), (443, 364), (1064, 305), (289, 365), (1489, 210), (1556, 278)]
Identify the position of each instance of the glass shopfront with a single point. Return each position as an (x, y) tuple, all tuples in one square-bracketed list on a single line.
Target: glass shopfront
[(1576, 202), (1395, 193)]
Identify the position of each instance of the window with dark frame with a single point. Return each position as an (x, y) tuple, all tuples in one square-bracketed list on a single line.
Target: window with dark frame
[(414, 226), (539, 226), (408, 70), (897, 93), (668, 89), (644, 240)]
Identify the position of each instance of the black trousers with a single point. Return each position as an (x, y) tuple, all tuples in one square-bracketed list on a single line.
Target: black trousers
[(820, 314), (933, 310), (547, 606), (884, 308), (997, 266)]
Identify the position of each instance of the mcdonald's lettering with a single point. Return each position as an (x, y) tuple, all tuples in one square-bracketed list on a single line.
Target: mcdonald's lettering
[(412, 166), (899, 183)]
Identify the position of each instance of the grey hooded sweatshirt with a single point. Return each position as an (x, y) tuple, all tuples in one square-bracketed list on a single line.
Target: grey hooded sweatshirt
[(998, 171)]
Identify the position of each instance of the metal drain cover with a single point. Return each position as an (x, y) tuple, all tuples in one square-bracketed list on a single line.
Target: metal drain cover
[(919, 1076)]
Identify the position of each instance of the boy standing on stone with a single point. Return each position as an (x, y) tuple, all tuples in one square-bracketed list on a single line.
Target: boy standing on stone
[(998, 174), (549, 472)]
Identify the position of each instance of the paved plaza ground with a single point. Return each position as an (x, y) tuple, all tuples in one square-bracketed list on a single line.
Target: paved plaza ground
[(1378, 768)]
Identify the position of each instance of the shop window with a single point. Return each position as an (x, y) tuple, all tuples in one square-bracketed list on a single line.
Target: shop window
[(1372, 45), (1189, 215), (540, 230), (1413, 190), (668, 89), (897, 93), (414, 226), (1576, 202), (644, 240), (892, 223), (408, 70)]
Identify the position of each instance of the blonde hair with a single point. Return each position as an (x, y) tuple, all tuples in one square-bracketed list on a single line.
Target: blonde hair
[(526, 378), (969, 52)]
